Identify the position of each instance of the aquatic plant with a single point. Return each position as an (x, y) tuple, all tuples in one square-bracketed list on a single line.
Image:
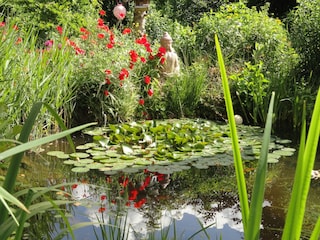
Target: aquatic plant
[(307, 152), (31, 207)]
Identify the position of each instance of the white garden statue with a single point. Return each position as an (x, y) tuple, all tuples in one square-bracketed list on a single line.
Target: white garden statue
[(171, 66)]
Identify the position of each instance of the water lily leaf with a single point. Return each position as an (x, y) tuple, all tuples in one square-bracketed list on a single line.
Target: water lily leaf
[(126, 157), (112, 154), (86, 160), (95, 165), (284, 153), (54, 153), (94, 132), (98, 153), (79, 155), (63, 156), (83, 147), (131, 170), (283, 141), (69, 162), (272, 160), (80, 169)]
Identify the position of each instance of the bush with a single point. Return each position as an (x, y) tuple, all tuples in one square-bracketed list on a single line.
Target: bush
[(247, 35), (304, 28)]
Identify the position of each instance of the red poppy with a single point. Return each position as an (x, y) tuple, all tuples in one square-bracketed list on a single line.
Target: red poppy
[(147, 79), (131, 66), (103, 197), (102, 12), (84, 37), (84, 30), (109, 45), (59, 29), (100, 22), (126, 31), (133, 55), (161, 52), (142, 40), (102, 209), (141, 101), (162, 60), (150, 92), (140, 203), (143, 59), (108, 81), (100, 35), (133, 194), (106, 93), (123, 74), (111, 38), (108, 71), (79, 51)]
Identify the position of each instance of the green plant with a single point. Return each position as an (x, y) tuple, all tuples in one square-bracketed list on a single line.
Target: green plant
[(307, 153), (248, 35), (251, 89), (30, 74), (183, 93), (9, 225)]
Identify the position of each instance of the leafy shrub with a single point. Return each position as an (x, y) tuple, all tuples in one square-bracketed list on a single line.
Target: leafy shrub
[(184, 38), (304, 28), (187, 12), (45, 15), (247, 35)]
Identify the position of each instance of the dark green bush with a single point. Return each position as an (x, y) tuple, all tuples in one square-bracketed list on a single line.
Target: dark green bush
[(304, 28)]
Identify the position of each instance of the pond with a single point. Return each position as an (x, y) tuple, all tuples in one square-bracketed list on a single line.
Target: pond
[(196, 201)]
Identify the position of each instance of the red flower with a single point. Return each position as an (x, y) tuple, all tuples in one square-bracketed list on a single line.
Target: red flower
[(150, 92), (140, 203), (102, 12), (126, 31), (123, 74), (84, 30), (111, 38), (133, 194), (141, 101), (147, 79), (108, 81), (102, 209), (142, 40), (161, 52), (106, 93), (79, 51), (103, 197), (100, 35), (133, 55), (109, 45), (74, 186), (100, 22), (19, 40), (15, 27), (59, 29), (108, 71), (162, 60), (143, 59), (2, 24), (84, 37)]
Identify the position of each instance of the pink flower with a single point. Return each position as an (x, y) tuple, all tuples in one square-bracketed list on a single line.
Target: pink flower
[(2, 24)]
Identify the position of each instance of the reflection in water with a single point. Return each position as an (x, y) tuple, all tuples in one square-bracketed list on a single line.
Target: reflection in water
[(151, 203)]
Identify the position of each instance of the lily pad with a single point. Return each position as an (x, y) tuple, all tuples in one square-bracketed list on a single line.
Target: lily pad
[(80, 169), (55, 153), (79, 155)]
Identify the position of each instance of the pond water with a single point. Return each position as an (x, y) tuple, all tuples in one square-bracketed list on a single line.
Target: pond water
[(153, 205)]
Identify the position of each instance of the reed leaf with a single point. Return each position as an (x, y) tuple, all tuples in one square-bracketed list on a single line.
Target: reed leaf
[(243, 196), (255, 215), (316, 231), (301, 185)]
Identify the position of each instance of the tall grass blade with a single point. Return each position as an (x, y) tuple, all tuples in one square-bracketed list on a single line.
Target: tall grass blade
[(260, 179), (301, 185), (243, 196), (316, 231)]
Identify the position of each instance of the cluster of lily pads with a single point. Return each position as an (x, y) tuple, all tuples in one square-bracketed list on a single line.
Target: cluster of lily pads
[(167, 146)]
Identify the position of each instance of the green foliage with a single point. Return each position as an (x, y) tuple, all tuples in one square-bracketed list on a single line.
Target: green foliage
[(187, 12), (304, 28), (29, 74), (45, 15), (183, 93), (251, 90)]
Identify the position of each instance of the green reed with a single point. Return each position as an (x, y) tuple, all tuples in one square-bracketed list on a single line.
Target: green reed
[(15, 155), (307, 152)]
